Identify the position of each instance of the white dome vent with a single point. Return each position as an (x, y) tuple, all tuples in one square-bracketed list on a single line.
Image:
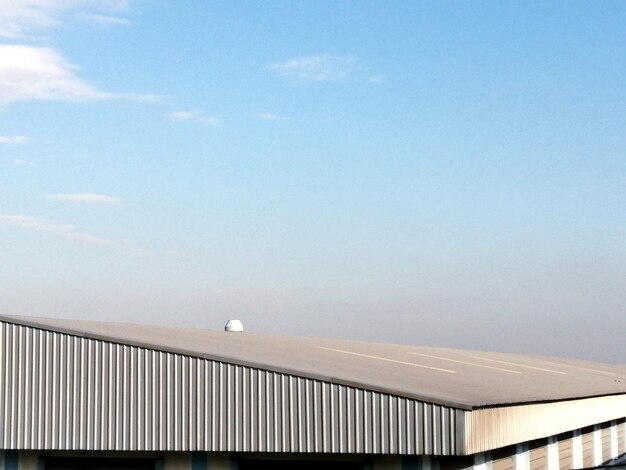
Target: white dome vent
[(234, 326)]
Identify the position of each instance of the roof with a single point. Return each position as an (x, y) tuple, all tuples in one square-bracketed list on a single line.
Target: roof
[(460, 378)]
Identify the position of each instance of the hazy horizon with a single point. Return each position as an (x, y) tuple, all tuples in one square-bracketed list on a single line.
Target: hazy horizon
[(436, 173)]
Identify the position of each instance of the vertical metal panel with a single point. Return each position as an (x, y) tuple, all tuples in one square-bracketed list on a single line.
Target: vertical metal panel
[(59, 391), (613, 452), (492, 428)]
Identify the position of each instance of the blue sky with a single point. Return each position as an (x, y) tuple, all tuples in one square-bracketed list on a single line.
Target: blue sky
[(440, 173)]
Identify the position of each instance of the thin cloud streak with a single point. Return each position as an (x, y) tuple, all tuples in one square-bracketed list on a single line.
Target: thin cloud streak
[(19, 18), (67, 232), (102, 20), (22, 162), (272, 117), (14, 139), (16, 18), (319, 68), (84, 198), (40, 73), (194, 116)]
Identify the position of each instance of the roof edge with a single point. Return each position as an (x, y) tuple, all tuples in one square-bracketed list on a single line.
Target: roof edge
[(252, 364), (460, 405)]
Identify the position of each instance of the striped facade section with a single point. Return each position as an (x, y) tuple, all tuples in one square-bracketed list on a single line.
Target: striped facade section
[(59, 391), (493, 428), (583, 448)]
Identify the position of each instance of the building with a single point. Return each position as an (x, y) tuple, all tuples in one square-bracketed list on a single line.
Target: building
[(80, 394)]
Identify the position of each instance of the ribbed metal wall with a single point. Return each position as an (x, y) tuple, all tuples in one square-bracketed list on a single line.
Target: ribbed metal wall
[(492, 428), (59, 391)]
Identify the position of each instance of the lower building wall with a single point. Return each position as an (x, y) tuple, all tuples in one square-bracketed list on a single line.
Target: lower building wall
[(496, 427), (71, 460), (37, 460), (583, 448)]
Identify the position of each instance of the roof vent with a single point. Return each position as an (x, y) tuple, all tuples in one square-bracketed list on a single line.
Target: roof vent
[(234, 325)]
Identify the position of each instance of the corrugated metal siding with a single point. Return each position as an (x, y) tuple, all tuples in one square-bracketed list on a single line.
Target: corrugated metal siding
[(59, 391), (621, 437), (492, 428)]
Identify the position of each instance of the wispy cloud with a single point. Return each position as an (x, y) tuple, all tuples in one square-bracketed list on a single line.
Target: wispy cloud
[(32, 73), (272, 117), (101, 20), (17, 161), (67, 232), (195, 116), (41, 73), (23, 162), (13, 139), (19, 18), (319, 68), (84, 197)]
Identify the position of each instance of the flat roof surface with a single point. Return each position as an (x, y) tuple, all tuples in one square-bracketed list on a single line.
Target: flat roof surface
[(460, 378)]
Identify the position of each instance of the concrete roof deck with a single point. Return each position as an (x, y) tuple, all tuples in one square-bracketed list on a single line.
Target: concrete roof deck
[(459, 378)]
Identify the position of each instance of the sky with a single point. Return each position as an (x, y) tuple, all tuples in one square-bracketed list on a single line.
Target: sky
[(432, 173)]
